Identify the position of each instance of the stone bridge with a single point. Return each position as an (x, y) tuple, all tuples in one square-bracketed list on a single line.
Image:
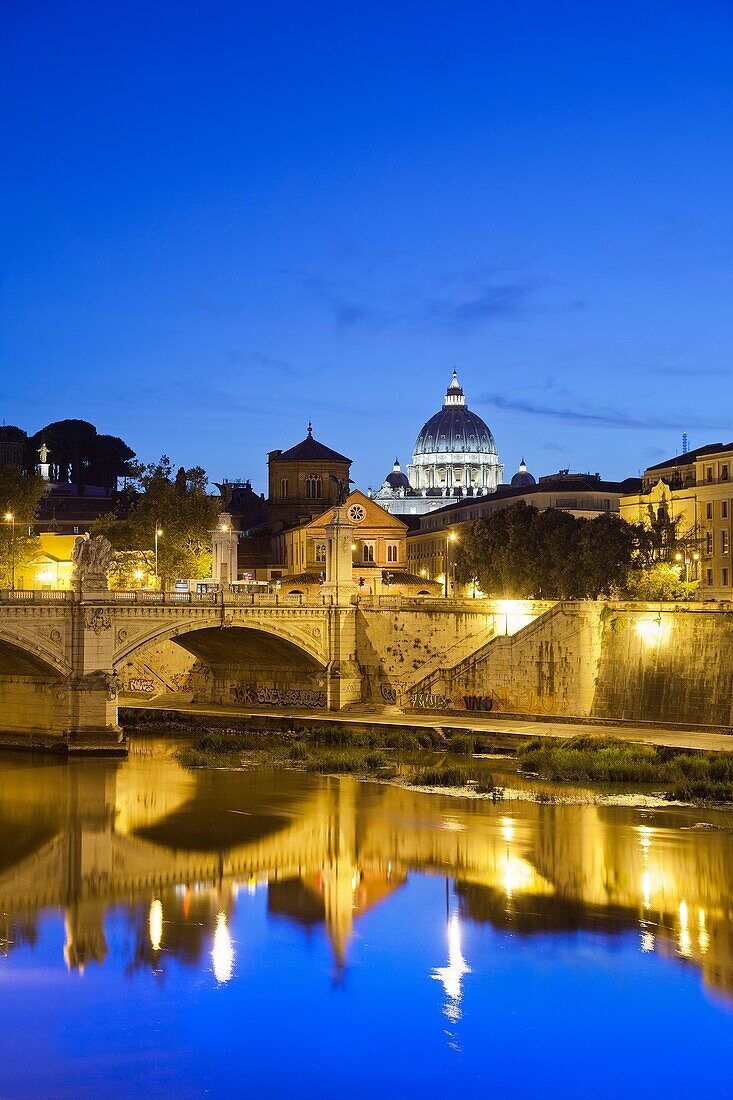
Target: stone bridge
[(64, 657)]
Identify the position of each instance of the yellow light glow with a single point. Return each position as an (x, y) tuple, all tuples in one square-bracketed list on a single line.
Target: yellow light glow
[(423, 572), (223, 527), (353, 546), (222, 953), (654, 631), (646, 889), (678, 557), (159, 531), (507, 829), (452, 536), (45, 576), (8, 516), (155, 923), (139, 574), (440, 578)]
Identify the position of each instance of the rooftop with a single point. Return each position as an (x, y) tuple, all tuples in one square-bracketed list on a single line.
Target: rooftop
[(309, 450), (692, 456)]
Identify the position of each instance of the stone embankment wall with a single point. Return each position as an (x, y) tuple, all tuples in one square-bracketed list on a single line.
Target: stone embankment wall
[(547, 667), (667, 663)]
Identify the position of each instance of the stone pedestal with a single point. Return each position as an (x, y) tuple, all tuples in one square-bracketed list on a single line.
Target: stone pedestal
[(339, 584)]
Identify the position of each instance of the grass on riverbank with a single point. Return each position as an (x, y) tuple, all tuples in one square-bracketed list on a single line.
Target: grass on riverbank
[(684, 776), (454, 775)]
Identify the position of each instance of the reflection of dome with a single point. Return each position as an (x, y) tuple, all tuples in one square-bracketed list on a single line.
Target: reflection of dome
[(455, 429), (523, 478)]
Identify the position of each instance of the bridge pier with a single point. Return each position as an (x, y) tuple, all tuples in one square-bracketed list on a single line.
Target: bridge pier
[(343, 674), (93, 685)]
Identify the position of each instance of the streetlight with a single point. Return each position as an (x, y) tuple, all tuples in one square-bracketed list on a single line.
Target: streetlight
[(684, 558), (450, 538), (10, 518), (158, 532)]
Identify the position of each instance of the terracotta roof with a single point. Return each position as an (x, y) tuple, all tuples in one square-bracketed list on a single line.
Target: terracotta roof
[(310, 450), (300, 578)]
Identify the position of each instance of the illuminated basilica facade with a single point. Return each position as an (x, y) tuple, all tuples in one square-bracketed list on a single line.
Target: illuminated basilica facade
[(455, 457)]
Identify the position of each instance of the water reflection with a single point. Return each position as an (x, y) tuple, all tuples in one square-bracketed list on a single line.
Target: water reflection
[(175, 848)]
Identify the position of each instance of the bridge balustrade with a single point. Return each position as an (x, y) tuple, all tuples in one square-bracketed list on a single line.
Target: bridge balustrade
[(31, 595)]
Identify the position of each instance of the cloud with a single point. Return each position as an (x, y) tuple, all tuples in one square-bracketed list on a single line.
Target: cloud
[(456, 302), (603, 417)]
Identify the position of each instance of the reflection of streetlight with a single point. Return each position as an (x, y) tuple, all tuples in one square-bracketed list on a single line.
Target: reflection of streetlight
[(222, 952), (449, 539), (155, 923), (158, 532), (10, 518)]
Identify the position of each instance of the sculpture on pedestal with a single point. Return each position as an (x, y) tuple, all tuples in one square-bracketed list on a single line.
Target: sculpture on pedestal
[(92, 558)]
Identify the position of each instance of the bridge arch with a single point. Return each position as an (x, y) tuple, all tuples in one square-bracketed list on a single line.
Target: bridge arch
[(266, 638), (29, 656)]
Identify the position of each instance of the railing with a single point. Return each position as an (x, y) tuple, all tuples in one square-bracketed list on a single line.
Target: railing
[(31, 595)]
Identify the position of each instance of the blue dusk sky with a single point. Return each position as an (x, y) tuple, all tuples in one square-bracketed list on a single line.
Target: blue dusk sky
[(223, 219)]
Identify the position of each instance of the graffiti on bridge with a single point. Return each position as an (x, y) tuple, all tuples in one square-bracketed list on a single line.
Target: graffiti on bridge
[(137, 684), (425, 700), (388, 693), (274, 697), (521, 701), (478, 702)]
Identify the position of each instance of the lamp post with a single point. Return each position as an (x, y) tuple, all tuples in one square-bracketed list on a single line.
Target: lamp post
[(10, 518), (683, 557), (449, 539), (158, 532)]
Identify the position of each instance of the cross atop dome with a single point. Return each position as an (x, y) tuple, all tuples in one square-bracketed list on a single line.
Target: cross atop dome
[(454, 393)]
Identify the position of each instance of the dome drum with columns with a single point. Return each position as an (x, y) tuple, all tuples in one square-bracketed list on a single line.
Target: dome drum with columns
[(455, 456)]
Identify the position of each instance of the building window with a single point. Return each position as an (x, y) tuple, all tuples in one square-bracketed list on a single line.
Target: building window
[(313, 488), (320, 551), (724, 509), (76, 530), (391, 551), (283, 488), (725, 577), (709, 510), (708, 542), (708, 473), (367, 551), (724, 542), (724, 472), (710, 578)]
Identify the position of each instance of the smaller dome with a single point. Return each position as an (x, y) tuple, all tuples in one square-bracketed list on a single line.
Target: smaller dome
[(523, 478), (397, 480)]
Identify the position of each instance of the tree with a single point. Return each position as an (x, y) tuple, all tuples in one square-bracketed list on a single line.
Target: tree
[(176, 504), (79, 455), (521, 552), (607, 550), (20, 496), (660, 581)]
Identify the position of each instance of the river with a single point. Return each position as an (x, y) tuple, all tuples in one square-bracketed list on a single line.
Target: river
[(173, 933)]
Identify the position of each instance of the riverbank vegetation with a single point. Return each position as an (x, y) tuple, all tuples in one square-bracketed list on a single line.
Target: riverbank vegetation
[(683, 776)]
